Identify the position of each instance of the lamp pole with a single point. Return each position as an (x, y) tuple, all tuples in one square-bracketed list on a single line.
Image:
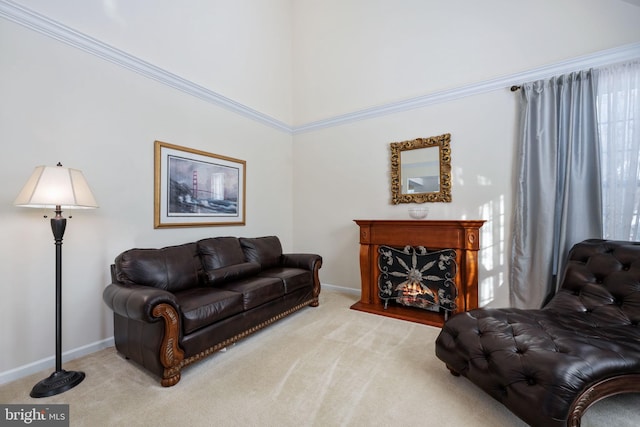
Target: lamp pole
[(61, 380), (58, 225)]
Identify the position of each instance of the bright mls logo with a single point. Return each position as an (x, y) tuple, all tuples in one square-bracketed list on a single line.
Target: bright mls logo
[(34, 415)]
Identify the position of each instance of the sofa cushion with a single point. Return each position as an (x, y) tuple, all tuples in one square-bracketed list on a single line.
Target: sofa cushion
[(218, 252), (223, 260), (173, 268), (257, 290), (202, 307), (232, 273), (293, 278), (266, 251)]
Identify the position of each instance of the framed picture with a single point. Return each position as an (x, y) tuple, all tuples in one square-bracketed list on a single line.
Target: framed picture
[(194, 188)]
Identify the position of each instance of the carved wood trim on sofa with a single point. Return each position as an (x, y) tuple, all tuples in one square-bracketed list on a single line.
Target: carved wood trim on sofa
[(171, 355), (316, 284)]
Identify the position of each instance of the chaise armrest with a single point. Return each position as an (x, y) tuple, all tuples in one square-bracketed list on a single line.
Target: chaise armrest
[(304, 261), (137, 302)]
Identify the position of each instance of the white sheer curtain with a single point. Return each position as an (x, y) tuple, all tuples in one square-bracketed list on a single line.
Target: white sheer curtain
[(618, 110)]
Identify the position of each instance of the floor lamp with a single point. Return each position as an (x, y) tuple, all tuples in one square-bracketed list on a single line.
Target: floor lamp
[(58, 188)]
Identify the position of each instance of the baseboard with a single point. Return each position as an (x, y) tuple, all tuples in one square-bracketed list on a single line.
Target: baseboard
[(50, 362), (337, 288)]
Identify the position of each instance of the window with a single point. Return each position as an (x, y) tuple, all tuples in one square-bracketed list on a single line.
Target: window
[(618, 110)]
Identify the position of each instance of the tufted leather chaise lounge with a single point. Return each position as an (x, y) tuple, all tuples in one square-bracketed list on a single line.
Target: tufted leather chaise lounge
[(549, 365)]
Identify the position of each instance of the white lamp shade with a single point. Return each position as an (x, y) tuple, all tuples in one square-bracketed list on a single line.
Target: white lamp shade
[(51, 186)]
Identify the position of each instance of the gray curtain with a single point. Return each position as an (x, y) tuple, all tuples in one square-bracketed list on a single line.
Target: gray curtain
[(558, 193)]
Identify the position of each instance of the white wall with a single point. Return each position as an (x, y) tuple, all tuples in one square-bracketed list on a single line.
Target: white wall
[(58, 103), (354, 54), (239, 48), (294, 60), (343, 173), (366, 54)]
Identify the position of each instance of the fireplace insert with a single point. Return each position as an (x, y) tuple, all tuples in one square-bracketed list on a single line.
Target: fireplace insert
[(413, 276)]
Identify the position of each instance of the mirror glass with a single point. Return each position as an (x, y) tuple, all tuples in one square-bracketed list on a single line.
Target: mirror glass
[(421, 170)]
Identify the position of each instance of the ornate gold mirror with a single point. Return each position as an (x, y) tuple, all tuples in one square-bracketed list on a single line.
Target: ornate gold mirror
[(421, 170)]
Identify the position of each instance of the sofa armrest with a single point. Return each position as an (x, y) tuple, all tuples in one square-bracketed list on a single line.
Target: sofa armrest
[(304, 261), (311, 262), (137, 302), (148, 304)]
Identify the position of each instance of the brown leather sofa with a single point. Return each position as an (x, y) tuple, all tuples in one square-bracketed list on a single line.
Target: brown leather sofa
[(549, 365), (176, 305)]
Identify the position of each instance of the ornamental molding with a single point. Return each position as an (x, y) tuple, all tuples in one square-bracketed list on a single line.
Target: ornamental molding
[(28, 18)]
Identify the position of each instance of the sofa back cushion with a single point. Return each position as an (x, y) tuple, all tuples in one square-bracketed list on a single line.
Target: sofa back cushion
[(266, 251), (173, 268), (217, 252), (223, 260)]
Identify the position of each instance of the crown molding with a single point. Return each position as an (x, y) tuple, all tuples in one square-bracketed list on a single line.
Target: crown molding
[(43, 25), (598, 59), (48, 27)]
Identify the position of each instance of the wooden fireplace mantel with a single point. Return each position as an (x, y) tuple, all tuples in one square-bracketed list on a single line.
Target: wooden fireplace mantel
[(461, 235)]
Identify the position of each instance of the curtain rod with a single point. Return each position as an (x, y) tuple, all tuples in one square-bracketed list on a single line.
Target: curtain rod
[(515, 88)]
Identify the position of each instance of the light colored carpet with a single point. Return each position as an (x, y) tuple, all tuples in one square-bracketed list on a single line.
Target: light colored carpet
[(324, 366)]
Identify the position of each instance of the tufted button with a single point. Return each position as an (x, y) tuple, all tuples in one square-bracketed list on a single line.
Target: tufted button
[(626, 267), (531, 381)]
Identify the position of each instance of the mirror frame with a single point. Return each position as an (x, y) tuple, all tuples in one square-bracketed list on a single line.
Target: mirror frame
[(443, 142)]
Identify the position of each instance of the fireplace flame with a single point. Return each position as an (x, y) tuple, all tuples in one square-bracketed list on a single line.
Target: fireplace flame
[(415, 294)]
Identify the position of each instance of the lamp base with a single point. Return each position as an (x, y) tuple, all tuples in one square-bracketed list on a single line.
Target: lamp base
[(58, 382)]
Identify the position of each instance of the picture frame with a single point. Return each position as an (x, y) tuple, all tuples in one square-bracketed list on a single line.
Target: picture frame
[(194, 188), (421, 170)]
